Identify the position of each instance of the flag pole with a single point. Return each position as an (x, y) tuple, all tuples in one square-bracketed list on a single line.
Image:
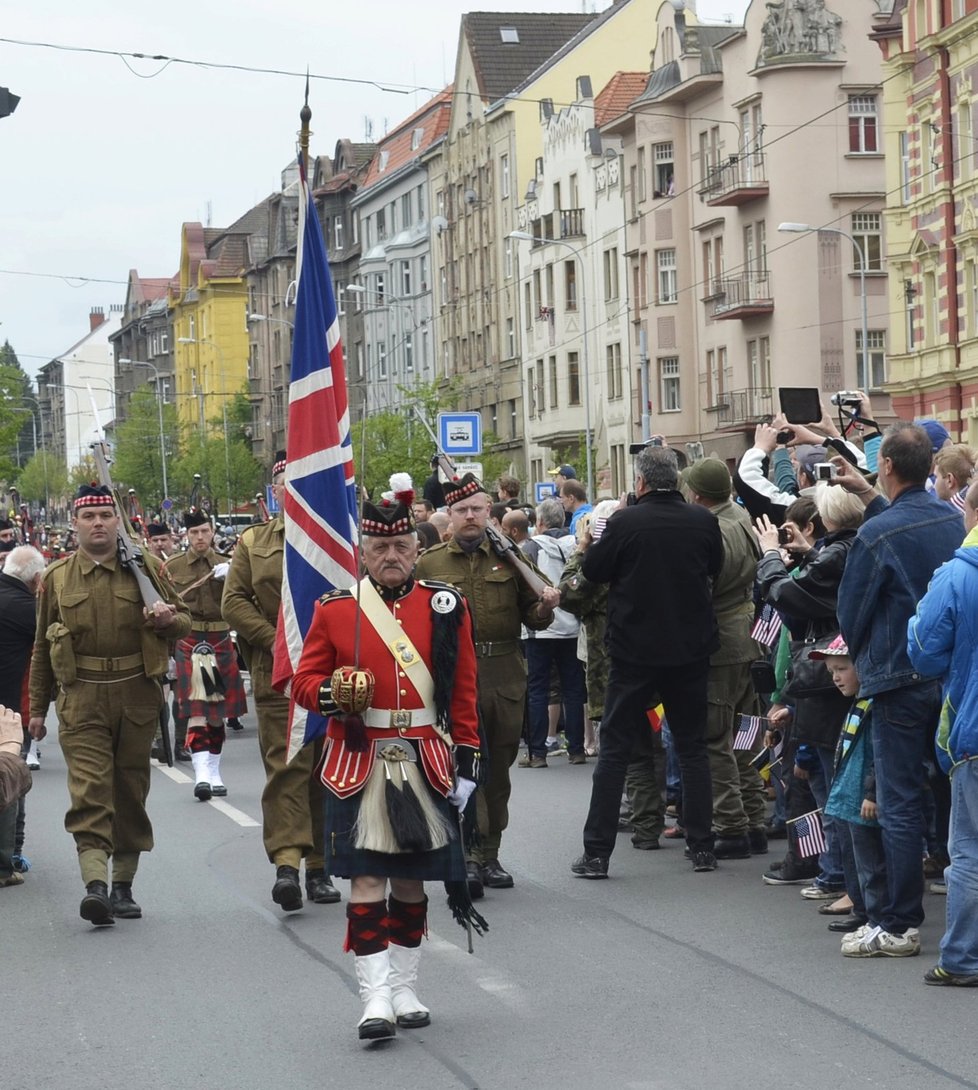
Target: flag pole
[(305, 116)]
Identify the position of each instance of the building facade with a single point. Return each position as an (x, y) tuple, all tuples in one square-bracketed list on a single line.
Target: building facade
[(143, 344), (930, 51)]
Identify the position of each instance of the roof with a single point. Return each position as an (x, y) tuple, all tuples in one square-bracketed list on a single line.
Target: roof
[(501, 66), (700, 41), (411, 138), (617, 95)]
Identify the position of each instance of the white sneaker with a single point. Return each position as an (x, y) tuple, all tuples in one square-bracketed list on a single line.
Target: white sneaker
[(815, 892), (884, 944), (33, 758), (852, 939)]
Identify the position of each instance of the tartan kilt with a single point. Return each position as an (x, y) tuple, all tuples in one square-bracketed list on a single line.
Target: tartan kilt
[(345, 860), (234, 704)]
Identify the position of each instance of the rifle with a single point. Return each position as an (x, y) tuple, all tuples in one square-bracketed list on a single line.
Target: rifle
[(502, 546), (130, 555)]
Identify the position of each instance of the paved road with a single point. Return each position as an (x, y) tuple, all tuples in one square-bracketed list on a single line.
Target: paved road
[(657, 979)]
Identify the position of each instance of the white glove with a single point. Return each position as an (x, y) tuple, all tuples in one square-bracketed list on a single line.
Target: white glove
[(460, 795), (220, 570)]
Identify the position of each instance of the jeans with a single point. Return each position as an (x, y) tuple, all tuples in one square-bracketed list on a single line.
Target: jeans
[(831, 874), (904, 721), (959, 947), (849, 869), (541, 656), (871, 867), (632, 690), (674, 789)]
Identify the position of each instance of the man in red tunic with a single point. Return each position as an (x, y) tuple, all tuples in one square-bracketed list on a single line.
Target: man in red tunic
[(394, 772)]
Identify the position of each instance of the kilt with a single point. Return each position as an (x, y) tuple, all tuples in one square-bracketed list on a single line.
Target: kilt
[(234, 703), (345, 860)]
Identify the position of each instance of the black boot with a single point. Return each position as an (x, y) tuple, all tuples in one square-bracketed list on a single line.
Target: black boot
[(95, 906), (287, 893), (123, 906), (319, 889)]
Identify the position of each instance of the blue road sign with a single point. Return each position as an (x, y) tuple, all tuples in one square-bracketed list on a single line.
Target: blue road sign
[(460, 433), (167, 505)]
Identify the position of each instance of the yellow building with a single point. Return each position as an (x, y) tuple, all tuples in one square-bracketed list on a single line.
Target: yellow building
[(210, 319)]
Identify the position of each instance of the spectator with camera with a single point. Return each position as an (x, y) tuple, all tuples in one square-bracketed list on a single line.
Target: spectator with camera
[(906, 535), (807, 599)]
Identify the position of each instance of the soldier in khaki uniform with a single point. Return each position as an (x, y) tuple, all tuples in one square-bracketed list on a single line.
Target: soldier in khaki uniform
[(292, 802), (739, 802), (198, 576), (107, 652), (499, 601)]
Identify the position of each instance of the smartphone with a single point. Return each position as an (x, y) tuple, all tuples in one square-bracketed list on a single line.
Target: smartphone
[(784, 535), (800, 404)]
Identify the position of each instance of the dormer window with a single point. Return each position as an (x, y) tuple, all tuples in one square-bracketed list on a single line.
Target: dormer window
[(416, 137), (382, 165), (509, 35)]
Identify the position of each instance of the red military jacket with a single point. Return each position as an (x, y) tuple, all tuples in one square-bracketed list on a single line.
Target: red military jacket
[(330, 644)]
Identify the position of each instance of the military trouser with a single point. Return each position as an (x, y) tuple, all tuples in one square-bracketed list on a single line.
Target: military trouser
[(8, 836), (738, 790), (502, 704), (645, 785), (292, 800), (106, 732)]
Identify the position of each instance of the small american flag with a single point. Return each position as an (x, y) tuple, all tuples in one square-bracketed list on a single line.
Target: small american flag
[(320, 498), (748, 731), (809, 835), (767, 627)]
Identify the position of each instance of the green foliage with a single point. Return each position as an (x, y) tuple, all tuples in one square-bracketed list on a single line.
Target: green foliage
[(137, 453), (16, 432), (86, 472), (44, 477), (225, 470)]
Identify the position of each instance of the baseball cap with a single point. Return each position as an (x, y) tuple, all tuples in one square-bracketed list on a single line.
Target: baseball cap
[(836, 649)]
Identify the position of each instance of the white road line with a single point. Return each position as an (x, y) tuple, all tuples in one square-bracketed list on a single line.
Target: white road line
[(236, 815), (493, 983)]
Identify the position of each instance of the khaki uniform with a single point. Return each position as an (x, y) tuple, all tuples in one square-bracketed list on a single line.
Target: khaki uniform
[(204, 602), (738, 791), (292, 802), (93, 641), (499, 601)]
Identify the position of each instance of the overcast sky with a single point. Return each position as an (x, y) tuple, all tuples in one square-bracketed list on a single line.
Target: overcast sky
[(100, 165)]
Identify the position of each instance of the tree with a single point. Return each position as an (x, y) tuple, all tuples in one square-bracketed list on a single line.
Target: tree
[(226, 470), (44, 478), (16, 431), (86, 472), (137, 454)]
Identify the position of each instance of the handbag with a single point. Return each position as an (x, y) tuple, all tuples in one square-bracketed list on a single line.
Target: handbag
[(807, 676)]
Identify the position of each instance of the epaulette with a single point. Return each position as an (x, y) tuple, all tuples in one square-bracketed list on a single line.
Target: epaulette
[(437, 584), (331, 595)]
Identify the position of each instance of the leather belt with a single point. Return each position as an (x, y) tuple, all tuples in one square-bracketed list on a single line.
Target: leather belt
[(108, 665), (398, 718), (496, 647), (211, 626)]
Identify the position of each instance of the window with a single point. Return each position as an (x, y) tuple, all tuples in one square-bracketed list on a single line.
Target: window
[(715, 361), (971, 296), (574, 198), (863, 125), (504, 175), (380, 222), (405, 279), (928, 161), (554, 401), (423, 270), (905, 190), (509, 35), (966, 147), (665, 264), (613, 367), (382, 359), (641, 174), (407, 217), (570, 285), (416, 137), (408, 353), (866, 230), (355, 224), (873, 376), (510, 338), (669, 384), (611, 274), (931, 304), (508, 259), (759, 365), (643, 280), (382, 162), (633, 191), (541, 391), (573, 379), (527, 306), (513, 427), (537, 298), (664, 166), (549, 284), (618, 482)]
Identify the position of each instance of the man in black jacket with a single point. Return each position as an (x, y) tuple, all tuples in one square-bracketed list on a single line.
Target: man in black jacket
[(659, 557), (18, 586)]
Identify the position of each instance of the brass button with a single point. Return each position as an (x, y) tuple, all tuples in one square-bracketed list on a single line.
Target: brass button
[(403, 692), (400, 673)]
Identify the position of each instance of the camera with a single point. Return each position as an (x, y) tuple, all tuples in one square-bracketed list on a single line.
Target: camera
[(824, 471), (784, 535), (846, 399), (785, 435), (656, 442)]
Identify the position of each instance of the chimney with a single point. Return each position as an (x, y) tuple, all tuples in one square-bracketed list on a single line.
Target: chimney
[(95, 318)]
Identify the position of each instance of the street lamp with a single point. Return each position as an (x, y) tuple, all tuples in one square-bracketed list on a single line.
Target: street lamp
[(525, 236), (224, 406), (159, 407), (807, 228)]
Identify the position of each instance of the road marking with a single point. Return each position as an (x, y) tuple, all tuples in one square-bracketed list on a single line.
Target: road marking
[(236, 815), (493, 983)]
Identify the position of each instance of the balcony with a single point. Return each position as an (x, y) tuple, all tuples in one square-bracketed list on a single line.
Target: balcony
[(564, 223), (738, 180), (743, 297), (741, 408)]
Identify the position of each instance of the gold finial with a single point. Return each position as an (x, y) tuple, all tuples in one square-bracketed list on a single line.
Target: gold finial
[(305, 116)]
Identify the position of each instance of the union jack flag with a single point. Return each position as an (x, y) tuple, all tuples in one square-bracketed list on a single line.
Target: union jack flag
[(320, 494), (808, 834), (748, 731)]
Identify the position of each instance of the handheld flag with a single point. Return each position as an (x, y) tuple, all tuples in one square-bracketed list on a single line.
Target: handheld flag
[(320, 495), (748, 731), (808, 834)]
